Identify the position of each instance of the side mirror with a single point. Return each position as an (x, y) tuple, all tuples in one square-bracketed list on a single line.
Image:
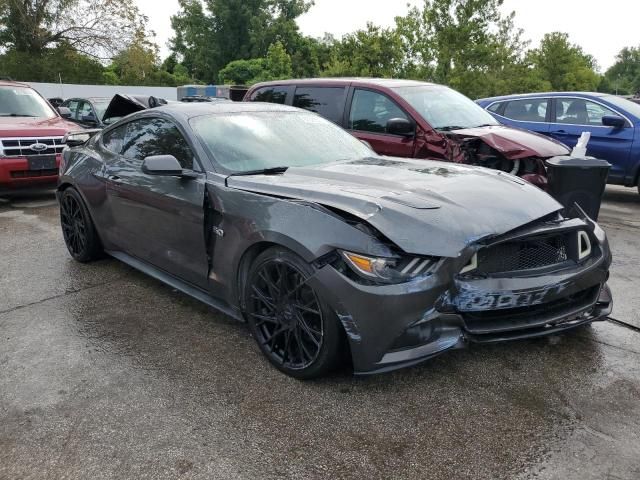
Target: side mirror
[(65, 112), (163, 165), (613, 121), (400, 126)]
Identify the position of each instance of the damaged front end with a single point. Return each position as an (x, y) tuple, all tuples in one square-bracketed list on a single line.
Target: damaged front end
[(517, 152), (543, 278)]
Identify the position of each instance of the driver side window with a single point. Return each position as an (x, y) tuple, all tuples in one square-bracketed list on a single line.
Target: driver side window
[(370, 111), (156, 136)]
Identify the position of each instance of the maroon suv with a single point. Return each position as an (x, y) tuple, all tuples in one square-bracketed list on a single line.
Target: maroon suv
[(31, 133), (405, 118)]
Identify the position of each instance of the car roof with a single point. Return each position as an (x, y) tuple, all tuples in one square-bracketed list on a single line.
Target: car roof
[(543, 94), (197, 109), (11, 83), (360, 81), (91, 99)]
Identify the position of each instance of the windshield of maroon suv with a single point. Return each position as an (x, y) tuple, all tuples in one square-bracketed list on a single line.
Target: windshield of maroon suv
[(444, 108), (23, 102), (242, 142)]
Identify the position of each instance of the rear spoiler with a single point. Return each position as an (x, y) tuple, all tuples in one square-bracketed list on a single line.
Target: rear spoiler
[(78, 138)]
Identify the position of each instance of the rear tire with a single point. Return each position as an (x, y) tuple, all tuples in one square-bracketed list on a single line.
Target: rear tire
[(294, 327), (78, 229)]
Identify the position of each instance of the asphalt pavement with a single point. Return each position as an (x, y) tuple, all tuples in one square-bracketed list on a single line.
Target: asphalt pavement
[(106, 373)]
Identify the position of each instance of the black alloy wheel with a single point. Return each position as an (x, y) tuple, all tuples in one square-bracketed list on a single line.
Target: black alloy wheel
[(292, 325), (77, 228)]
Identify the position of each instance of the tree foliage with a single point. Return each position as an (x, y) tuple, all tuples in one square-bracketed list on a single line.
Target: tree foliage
[(564, 65), (276, 66), (624, 76), (211, 34), (96, 28), (470, 45)]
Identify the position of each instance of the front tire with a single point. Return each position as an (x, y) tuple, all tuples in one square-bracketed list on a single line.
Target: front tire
[(294, 327), (78, 229)]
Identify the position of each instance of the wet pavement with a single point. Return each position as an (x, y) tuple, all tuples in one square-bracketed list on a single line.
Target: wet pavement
[(106, 373)]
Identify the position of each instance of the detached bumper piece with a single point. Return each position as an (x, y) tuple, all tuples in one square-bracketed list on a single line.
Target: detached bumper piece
[(529, 322)]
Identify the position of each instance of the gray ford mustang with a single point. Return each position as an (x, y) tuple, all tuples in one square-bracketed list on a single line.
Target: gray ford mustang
[(281, 219)]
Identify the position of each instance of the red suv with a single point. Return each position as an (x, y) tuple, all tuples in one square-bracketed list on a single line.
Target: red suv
[(404, 118), (31, 133)]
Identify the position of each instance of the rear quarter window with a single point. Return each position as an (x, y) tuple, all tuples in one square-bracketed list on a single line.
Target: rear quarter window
[(270, 95), (325, 101)]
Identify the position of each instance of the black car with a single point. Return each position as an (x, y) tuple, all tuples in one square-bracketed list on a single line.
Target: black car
[(87, 112), (98, 112), (280, 218)]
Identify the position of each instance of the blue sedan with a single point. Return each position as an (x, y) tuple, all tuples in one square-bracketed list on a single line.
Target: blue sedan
[(614, 124)]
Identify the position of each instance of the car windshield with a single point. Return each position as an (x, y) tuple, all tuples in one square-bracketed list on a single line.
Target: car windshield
[(23, 102), (624, 104), (444, 108), (247, 141)]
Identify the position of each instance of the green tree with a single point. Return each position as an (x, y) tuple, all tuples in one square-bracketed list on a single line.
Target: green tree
[(51, 65), (135, 64), (372, 52), (242, 72), (93, 27), (275, 66), (564, 65), (211, 35), (467, 44), (624, 76)]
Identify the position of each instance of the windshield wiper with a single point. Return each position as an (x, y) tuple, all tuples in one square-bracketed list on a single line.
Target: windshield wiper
[(16, 115), (262, 171)]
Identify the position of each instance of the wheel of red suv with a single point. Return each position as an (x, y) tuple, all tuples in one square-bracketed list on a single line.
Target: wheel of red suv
[(293, 326), (77, 227)]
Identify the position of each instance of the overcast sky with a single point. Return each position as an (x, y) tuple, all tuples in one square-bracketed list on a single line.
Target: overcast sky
[(600, 30)]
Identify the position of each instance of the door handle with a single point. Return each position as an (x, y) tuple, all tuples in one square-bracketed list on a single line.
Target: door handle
[(559, 132), (114, 178)]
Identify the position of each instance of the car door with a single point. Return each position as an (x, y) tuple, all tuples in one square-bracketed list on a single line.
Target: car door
[(573, 116), (72, 105), (529, 113), (159, 219), (369, 112), (86, 116)]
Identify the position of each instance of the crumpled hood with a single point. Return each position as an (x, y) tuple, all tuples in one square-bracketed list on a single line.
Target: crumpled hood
[(123, 105), (515, 143), (35, 127), (424, 207)]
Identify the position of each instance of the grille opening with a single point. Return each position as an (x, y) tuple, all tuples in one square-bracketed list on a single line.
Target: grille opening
[(523, 254), (21, 147)]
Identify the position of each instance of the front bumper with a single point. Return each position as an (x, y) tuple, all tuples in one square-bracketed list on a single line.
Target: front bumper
[(16, 175), (393, 326)]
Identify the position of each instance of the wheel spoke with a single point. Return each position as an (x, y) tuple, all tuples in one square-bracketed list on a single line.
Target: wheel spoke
[(264, 319), (309, 332), (261, 297), (303, 350), (285, 351), (306, 309)]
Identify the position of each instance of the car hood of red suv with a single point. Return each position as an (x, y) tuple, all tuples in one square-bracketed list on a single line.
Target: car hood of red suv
[(35, 127), (515, 143)]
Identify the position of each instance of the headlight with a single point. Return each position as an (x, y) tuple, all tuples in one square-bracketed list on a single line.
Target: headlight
[(389, 270)]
